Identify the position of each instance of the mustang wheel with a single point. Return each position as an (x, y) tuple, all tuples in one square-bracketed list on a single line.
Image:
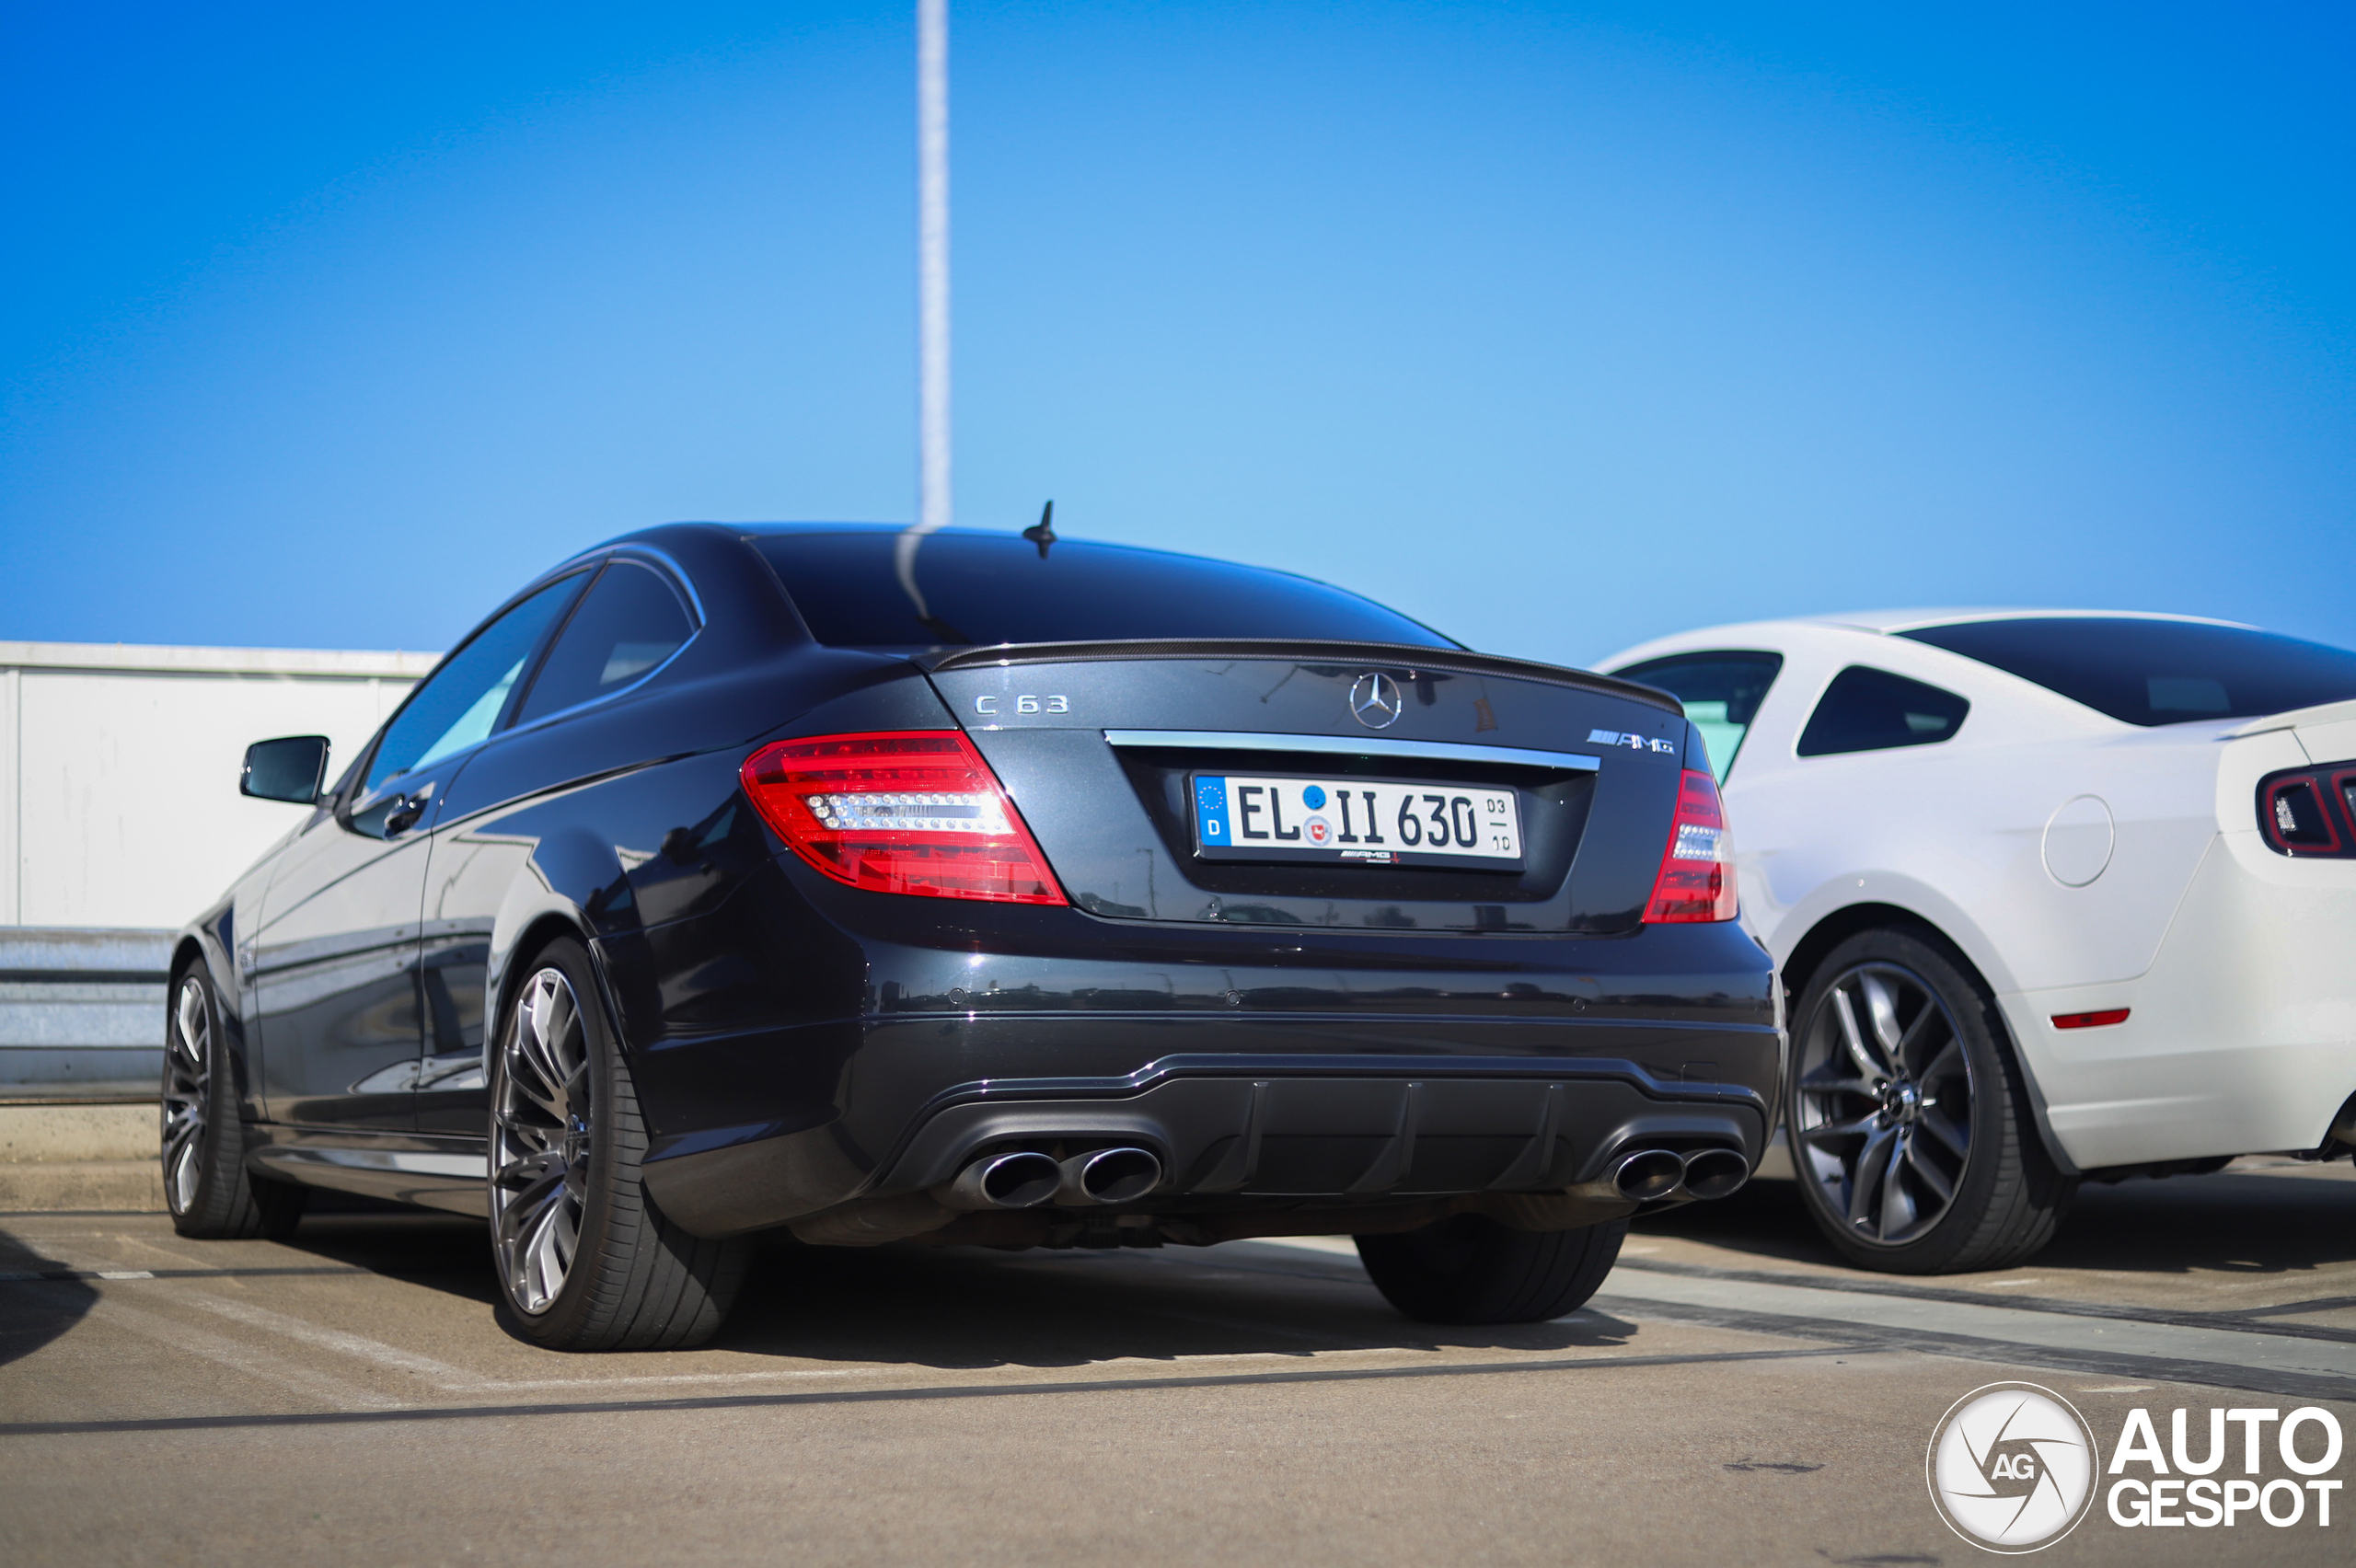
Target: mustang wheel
[(1915, 1146), (585, 1260), (1470, 1269), (205, 1185)]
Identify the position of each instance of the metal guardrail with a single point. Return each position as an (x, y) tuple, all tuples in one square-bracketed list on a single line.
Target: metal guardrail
[(81, 1014)]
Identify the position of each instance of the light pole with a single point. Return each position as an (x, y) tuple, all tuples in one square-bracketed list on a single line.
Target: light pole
[(933, 265)]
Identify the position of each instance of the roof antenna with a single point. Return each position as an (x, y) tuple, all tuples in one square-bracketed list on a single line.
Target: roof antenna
[(1043, 532)]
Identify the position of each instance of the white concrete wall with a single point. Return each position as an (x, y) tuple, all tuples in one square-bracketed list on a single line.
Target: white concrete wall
[(119, 803)]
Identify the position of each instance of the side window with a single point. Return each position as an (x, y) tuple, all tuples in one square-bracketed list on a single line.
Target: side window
[(459, 704), (1721, 692), (1868, 709), (628, 622)]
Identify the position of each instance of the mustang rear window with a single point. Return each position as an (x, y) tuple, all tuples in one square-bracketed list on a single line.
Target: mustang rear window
[(882, 588), (2156, 671)]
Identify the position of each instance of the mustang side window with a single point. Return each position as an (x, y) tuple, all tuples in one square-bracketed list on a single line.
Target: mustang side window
[(459, 704), (1869, 709), (628, 622), (1721, 692)]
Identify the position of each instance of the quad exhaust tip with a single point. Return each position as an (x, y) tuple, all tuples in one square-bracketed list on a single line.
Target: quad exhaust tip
[(1715, 1173), (1647, 1174), (1109, 1176), (1026, 1180), (1005, 1182), (1651, 1173)]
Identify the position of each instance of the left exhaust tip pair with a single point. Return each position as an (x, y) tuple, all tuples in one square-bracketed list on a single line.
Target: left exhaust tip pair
[(1028, 1180), (1655, 1173)]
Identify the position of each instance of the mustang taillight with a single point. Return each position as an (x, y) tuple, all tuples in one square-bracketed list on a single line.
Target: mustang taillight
[(2294, 813), (1696, 881), (914, 812)]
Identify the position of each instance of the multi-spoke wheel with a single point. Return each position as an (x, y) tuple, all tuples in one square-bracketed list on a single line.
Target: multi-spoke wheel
[(1910, 1124), (205, 1185), (188, 1068), (1884, 1101), (585, 1260), (541, 1142)]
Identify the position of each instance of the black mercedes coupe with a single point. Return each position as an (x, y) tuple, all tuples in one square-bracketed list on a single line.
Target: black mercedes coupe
[(862, 886)]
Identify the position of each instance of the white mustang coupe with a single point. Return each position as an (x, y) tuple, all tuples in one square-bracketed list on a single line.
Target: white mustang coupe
[(2058, 896)]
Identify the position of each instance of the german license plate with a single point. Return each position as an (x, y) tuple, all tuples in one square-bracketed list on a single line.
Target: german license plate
[(1365, 822)]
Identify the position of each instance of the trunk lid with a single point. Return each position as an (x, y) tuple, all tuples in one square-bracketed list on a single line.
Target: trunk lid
[(1107, 747)]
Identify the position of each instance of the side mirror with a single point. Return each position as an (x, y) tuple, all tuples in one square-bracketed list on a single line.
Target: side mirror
[(291, 769)]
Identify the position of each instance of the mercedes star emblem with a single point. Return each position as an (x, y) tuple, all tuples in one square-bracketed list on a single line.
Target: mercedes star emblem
[(1374, 699)]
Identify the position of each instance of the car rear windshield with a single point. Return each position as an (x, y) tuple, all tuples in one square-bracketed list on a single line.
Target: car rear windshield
[(2156, 671), (886, 589), (1720, 692)]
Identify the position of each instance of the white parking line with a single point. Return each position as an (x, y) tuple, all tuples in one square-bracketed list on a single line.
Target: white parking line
[(331, 1339), (2010, 1325), (252, 1362)]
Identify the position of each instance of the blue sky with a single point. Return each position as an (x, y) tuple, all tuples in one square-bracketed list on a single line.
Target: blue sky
[(1556, 326)]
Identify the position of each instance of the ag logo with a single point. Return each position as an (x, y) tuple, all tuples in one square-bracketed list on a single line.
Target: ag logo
[(1375, 700), (2011, 1467)]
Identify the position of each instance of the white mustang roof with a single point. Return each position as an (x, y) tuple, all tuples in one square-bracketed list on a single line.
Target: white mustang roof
[(1908, 621)]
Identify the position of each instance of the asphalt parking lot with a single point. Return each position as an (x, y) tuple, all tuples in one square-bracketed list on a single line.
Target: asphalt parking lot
[(1731, 1396)]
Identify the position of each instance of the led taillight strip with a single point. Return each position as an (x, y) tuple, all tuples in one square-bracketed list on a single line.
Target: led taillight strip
[(1696, 878), (914, 811), (2329, 797)]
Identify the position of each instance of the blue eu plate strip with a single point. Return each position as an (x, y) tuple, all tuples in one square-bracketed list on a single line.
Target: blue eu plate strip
[(1210, 809)]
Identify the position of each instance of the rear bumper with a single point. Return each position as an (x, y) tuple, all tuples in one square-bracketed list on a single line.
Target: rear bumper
[(1262, 1065), (1242, 1111)]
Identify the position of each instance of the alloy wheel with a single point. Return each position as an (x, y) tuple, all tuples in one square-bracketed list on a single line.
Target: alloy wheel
[(188, 1083), (541, 1142), (1883, 1103)]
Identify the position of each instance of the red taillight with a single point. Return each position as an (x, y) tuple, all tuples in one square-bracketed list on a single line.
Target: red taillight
[(910, 811), (2102, 1019), (1696, 881)]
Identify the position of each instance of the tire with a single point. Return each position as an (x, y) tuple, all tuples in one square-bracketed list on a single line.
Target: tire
[(1470, 1269), (586, 1260), (206, 1187), (1912, 1129)]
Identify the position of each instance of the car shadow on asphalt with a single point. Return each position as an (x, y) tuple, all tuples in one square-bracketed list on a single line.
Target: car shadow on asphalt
[(35, 1311), (963, 1308), (960, 1309), (2234, 1222), (442, 1251)]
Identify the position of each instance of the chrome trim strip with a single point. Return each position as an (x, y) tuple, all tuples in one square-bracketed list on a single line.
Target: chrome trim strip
[(408, 1162), (1350, 745)]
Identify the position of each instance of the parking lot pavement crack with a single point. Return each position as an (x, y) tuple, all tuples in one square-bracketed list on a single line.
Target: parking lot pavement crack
[(2289, 1309), (2230, 1322)]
